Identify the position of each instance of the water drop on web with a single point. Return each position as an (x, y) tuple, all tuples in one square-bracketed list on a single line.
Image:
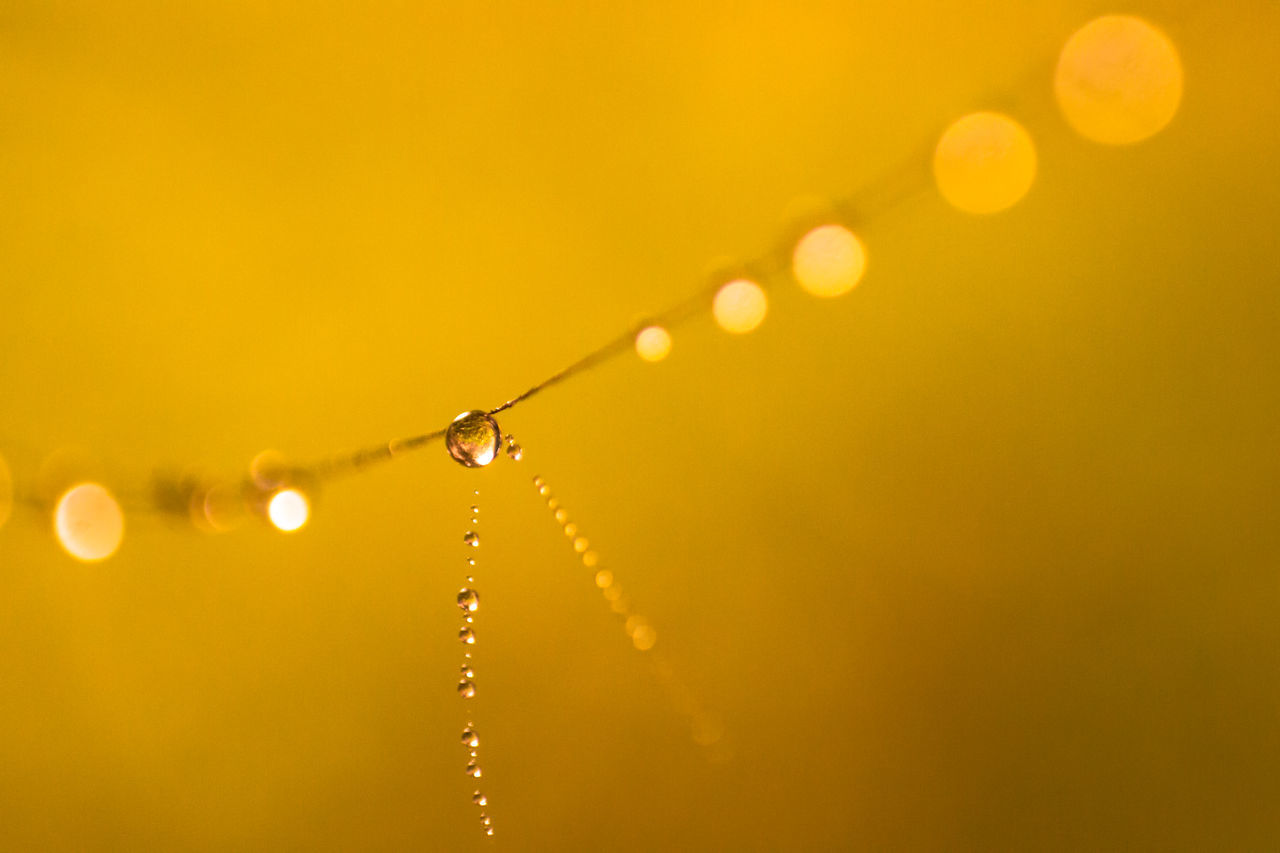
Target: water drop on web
[(473, 769), (469, 737), (479, 799), (471, 538), (466, 688), (467, 636), (468, 600), (473, 439)]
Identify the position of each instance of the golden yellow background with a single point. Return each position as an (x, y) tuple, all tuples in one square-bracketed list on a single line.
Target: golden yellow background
[(981, 556)]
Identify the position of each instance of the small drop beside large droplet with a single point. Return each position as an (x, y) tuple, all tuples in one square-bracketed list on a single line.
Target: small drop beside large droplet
[(473, 439), (468, 600)]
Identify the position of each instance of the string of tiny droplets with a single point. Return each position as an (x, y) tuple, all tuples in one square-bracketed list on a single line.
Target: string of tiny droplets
[(706, 727), (469, 604)]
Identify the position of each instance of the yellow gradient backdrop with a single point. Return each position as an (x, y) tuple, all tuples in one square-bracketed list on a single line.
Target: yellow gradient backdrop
[(980, 555)]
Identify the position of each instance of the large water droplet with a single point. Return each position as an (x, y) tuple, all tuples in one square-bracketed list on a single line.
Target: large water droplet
[(467, 636), (473, 439), (469, 737), (472, 538), (466, 688), (473, 769), (468, 600)]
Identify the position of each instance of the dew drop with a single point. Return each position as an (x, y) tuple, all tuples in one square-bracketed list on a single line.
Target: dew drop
[(479, 799), (571, 530), (489, 831), (466, 688), (485, 821), (553, 504), (473, 439), (581, 544), (468, 600), (473, 769), (467, 671), (472, 538), (561, 516), (543, 490), (469, 737), (467, 636), (514, 452), (474, 509)]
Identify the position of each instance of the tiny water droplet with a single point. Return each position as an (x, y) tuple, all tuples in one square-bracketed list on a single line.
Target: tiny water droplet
[(472, 439), (473, 769), (561, 516), (466, 688), (467, 671), (474, 509), (467, 619), (489, 831), (467, 636), (468, 600), (479, 799), (553, 504), (471, 561), (514, 451), (473, 753), (469, 737), (486, 820), (543, 490), (581, 544), (537, 480), (472, 538), (571, 530)]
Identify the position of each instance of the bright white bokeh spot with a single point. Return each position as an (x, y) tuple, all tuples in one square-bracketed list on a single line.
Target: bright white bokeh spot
[(1119, 80), (288, 510), (829, 260), (88, 522), (653, 343), (984, 163), (739, 306)]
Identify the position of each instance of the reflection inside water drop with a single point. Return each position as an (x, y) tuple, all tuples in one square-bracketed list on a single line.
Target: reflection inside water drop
[(468, 600)]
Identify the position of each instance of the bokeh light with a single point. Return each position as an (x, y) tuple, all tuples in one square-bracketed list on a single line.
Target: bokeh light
[(88, 522), (653, 343), (740, 306), (985, 162), (1119, 80), (829, 260), (288, 510), (644, 637)]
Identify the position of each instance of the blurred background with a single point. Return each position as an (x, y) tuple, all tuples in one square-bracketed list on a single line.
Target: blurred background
[(982, 555)]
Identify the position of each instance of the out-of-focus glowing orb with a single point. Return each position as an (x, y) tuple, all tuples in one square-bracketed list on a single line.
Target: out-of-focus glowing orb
[(740, 306), (288, 510), (1119, 80), (984, 163), (644, 637), (653, 343), (6, 492), (604, 578), (829, 260), (88, 522)]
